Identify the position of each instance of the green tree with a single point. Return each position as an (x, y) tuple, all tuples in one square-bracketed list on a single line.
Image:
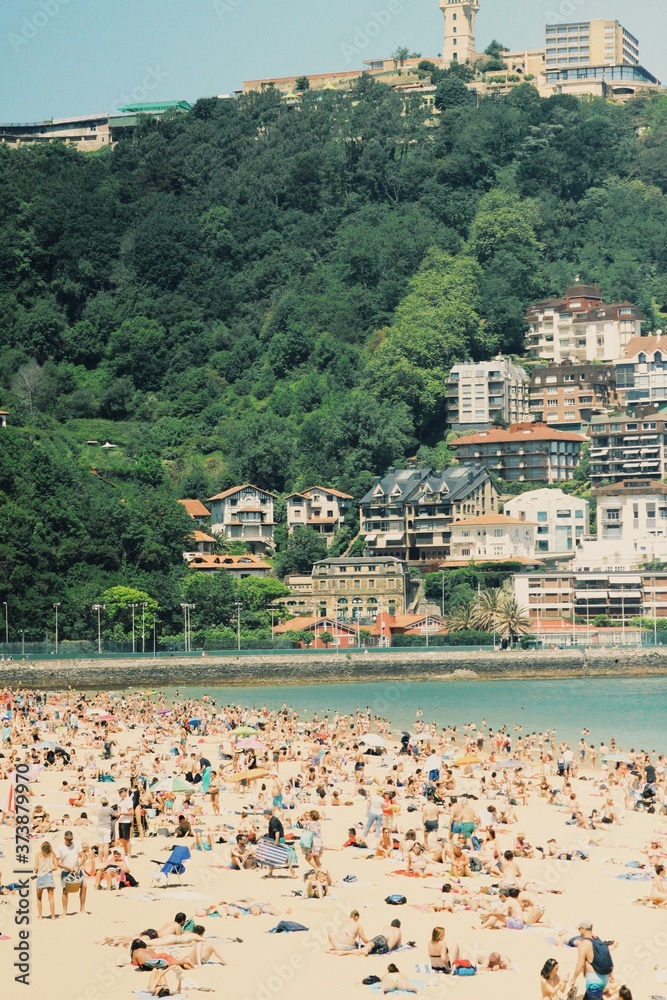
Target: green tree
[(119, 602), (327, 638), (303, 548)]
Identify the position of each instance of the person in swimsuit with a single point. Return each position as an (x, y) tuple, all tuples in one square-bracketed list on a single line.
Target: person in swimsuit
[(658, 888), (395, 980), (440, 954), (551, 985), (383, 943), (344, 942), (588, 963)]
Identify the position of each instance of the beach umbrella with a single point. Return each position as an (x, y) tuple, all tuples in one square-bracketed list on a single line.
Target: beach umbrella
[(48, 745), (9, 805), (468, 759), (424, 738), (172, 784), (510, 764), (254, 775), (163, 711), (243, 731), (619, 758), (373, 740), (250, 743), (106, 718)]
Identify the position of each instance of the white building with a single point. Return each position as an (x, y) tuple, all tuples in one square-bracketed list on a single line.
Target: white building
[(320, 508), (631, 527), (561, 520), (460, 17), (641, 372), (479, 394), (491, 537), (581, 327), (245, 514)]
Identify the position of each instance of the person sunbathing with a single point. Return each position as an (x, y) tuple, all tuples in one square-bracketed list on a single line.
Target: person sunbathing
[(395, 981), (658, 887)]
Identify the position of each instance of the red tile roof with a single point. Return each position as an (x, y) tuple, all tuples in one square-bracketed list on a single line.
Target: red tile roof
[(195, 508), (518, 432), (491, 519)]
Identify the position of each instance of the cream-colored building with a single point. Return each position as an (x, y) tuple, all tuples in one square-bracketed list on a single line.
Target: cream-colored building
[(479, 394), (244, 514), (321, 508), (590, 43), (360, 588), (561, 520), (631, 527), (460, 43), (491, 537)]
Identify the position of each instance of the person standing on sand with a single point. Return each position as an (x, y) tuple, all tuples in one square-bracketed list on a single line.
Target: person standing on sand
[(125, 819), (594, 962), (70, 861)]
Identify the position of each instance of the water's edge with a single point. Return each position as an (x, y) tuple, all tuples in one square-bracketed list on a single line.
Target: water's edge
[(345, 668)]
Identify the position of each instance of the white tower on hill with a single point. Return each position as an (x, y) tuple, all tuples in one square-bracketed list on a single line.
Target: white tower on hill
[(460, 18)]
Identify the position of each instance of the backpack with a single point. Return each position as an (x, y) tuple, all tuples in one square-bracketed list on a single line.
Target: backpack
[(396, 900), (476, 865), (462, 967), (602, 961)]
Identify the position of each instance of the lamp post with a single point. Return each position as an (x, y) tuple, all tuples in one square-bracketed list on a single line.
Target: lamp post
[(154, 637), (187, 608), (272, 611), (56, 606), (238, 606), (6, 623), (99, 608), (143, 626), (23, 644), (133, 606)]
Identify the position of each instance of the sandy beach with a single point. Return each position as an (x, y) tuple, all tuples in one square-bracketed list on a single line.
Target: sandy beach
[(68, 960)]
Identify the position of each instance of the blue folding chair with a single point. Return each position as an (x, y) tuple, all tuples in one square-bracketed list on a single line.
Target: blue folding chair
[(175, 863)]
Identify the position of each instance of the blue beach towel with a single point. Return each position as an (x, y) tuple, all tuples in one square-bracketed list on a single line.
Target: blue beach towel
[(286, 927)]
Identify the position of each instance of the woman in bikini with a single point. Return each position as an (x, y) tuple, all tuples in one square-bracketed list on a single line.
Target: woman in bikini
[(658, 888), (440, 954), (395, 980)]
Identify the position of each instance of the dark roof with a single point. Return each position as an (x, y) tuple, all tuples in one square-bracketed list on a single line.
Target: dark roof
[(404, 485)]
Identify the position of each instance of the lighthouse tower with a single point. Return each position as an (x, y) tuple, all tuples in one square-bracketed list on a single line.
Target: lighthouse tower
[(460, 18)]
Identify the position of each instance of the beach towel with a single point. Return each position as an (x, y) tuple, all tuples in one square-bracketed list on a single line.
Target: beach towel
[(147, 995), (633, 877), (286, 927), (376, 988)]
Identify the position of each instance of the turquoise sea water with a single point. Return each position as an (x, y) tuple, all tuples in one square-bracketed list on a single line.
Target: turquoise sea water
[(632, 710)]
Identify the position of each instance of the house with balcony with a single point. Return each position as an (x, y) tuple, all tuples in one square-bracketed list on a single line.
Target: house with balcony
[(478, 395), (568, 395), (629, 446), (491, 538), (581, 327), (244, 514), (631, 527), (571, 596), (561, 521), (240, 567), (641, 372), (524, 453), (321, 508), (408, 513)]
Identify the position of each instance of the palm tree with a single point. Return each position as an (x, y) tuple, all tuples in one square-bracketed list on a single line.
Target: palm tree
[(485, 612), (512, 621), (460, 618)]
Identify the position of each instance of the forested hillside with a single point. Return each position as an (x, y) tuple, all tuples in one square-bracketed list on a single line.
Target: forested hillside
[(251, 292)]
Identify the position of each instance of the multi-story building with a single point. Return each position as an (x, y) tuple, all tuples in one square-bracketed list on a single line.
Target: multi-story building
[(200, 544), (3, 417), (581, 327), (321, 508), (641, 372), (493, 537), (244, 514), (590, 43), (629, 446), (197, 511), (620, 596), (409, 512), (360, 588), (631, 527), (568, 395), (531, 453), (487, 392), (561, 521), (240, 567), (460, 17)]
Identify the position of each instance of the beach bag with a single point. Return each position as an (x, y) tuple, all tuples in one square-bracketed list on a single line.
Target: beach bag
[(396, 900), (602, 961), (462, 967), (476, 865), (306, 840), (268, 852), (371, 980)]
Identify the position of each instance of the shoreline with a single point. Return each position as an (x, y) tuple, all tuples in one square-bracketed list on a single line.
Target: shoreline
[(275, 669)]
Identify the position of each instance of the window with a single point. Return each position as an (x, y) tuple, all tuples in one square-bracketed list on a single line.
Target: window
[(541, 515), (465, 552), (579, 514), (568, 378)]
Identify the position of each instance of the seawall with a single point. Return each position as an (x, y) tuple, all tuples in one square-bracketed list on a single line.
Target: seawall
[(330, 668)]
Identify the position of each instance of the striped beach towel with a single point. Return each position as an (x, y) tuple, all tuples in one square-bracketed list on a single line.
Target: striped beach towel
[(272, 854)]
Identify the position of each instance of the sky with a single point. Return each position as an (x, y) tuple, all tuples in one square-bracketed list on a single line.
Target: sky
[(61, 58)]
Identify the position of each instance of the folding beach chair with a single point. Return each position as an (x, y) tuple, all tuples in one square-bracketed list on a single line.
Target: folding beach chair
[(174, 865)]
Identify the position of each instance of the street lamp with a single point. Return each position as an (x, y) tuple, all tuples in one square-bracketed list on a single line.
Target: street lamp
[(272, 609), (187, 608), (238, 607), (99, 608), (442, 601), (6, 624), (56, 606), (23, 644), (154, 636), (143, 626)]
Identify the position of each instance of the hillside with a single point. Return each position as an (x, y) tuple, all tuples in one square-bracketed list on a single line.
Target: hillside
[(252, 292)]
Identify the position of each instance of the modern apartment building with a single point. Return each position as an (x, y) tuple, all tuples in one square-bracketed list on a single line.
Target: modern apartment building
[(620, 596), (480, 394), (568, 395), (409, 512), (641, 372), (581, 327), (460, 17), (493, 538), (245, 514), (321, 508), (590, 43), (631, 527), (629, 447), (525, 453), (561, 520)]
